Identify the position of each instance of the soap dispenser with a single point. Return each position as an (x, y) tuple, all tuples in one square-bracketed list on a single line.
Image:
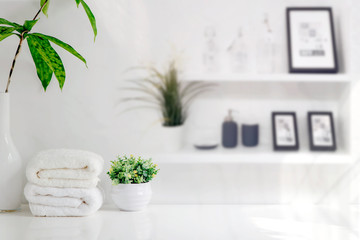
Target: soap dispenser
[(229, 132)]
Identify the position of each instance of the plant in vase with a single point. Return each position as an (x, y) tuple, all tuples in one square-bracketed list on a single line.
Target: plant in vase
[(171, 97), (131, 176), (47, 63)]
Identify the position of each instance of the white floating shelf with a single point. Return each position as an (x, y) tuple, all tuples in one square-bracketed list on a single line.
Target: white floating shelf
[(219, 77), (252, 156)]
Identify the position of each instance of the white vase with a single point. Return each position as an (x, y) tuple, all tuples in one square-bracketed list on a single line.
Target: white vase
[(163, 139), (11, 175), (173, 138), (131, 197)]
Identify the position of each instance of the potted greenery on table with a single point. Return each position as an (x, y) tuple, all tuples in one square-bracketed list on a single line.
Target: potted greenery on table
[(131, 176), (48, 63), (171, 97)]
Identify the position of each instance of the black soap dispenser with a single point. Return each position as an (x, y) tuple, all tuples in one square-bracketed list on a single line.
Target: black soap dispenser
[(229, 132)]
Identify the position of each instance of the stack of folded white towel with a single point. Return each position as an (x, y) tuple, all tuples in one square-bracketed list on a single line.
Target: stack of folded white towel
[(63, 183)]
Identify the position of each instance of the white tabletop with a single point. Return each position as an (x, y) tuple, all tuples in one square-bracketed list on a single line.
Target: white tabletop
[(187, 222)]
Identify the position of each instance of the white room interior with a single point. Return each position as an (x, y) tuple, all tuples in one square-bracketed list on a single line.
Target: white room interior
[(192, 184)]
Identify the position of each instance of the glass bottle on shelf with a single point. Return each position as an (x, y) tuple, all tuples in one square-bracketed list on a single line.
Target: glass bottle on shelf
[(210, 52), (266, 49), (238, 55)]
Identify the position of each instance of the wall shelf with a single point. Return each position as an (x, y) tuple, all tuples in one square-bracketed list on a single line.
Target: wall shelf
[(257, 155), (220, 77)]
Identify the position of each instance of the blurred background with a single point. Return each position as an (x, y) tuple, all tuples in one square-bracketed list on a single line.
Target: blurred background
[(89, 112)]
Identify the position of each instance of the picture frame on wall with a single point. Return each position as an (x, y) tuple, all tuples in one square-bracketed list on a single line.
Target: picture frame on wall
[(285, 132), (321, 131), (311, 40)]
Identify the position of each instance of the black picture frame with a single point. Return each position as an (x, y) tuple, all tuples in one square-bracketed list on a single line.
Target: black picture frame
[(285, 147), (313, 69), (322, 147)]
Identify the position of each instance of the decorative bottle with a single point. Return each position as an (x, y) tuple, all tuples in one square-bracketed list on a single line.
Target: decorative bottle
[(210, 52), (266, 49), (10, 162), (238, 55)]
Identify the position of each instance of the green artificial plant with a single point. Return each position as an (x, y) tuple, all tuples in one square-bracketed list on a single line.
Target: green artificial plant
[(170, 95), (47, 60), (132, 170)]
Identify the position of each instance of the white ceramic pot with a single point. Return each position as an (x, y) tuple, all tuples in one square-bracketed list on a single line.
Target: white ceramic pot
[(10, 162), (131, 197), (159, 138), (173, 138)]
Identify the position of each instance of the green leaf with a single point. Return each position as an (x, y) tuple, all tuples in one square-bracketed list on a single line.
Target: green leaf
[(6, 22), (50, 56), (29, 24), (90, 16), (60, 43), (6, 32), (44, 72), (17, 27), (46, 7), (77, 2), (3, 36)]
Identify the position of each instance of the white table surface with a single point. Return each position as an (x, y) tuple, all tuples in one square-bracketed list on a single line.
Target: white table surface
[(203, 222)]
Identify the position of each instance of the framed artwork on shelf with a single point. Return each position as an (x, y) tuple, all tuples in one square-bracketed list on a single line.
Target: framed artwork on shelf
[(285, 133), (321, 131), (311, 40)]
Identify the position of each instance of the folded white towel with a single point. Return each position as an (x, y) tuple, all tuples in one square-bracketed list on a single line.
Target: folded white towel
[(65, 168), (61, 202)]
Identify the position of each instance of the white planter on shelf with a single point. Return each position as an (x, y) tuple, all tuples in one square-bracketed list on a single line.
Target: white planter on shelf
[(10, 162), (172, 138), (162, 139), (131, 197)]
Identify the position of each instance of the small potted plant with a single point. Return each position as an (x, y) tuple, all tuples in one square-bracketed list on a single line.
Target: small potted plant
[(131, 176), (171, 97)]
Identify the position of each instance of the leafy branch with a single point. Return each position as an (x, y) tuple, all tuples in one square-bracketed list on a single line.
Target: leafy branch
[(47, 61)]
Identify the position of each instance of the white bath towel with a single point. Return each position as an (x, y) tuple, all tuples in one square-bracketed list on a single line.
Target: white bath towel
[(65, 168), (62, 202)]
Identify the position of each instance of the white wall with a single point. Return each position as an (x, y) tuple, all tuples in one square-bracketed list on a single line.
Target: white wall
[(87, 113)]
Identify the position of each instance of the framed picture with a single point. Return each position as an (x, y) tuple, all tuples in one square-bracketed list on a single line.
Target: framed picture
[(321, 131), (311, 40), (285, 134)]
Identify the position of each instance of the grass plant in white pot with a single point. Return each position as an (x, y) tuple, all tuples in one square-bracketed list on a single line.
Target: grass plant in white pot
[(172, 97), (131, 176), (47, 63)]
